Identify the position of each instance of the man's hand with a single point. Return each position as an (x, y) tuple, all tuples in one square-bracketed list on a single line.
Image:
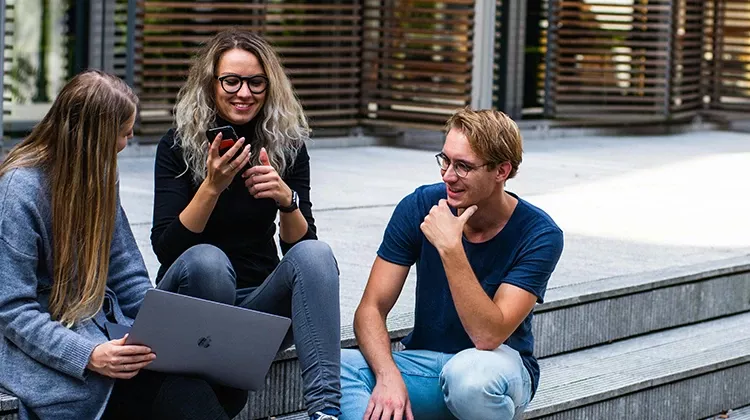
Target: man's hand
[(442, 228), (263, 181), (118, 360), (389, 400)]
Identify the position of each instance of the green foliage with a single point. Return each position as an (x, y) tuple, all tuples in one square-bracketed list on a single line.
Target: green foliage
[(22, 80)]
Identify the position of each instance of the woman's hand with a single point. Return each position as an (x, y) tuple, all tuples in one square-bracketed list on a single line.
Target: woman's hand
[(118, 360), (222, 169), (263, 181)]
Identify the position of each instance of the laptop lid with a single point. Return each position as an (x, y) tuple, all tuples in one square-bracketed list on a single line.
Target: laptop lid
[(226, 344)]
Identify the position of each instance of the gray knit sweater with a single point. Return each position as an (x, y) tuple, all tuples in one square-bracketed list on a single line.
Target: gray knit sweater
[(41, 361)]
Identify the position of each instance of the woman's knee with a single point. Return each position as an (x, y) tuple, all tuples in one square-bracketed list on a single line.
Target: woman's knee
[(205, 259), (313, 256), (208, 273)]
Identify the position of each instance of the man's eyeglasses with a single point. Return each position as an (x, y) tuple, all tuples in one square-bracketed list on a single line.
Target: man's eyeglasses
[(461, 168), (232, 83)]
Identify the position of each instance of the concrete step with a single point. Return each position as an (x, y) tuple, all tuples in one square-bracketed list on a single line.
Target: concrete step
[(689, 372), (683, 373), (8, 407), (626, 306), (587, 314), (573, 317)]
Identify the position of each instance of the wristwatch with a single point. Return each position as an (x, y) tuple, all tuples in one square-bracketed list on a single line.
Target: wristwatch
[(291, 207)]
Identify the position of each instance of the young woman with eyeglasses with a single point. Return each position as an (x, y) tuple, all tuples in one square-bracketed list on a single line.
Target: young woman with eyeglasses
[(215, 205)]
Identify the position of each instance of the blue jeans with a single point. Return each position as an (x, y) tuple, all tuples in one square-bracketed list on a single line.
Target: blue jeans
[(304, 287), (469, 385)]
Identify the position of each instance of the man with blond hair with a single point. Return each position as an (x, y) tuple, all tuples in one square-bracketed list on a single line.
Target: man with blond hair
[(483, 258)]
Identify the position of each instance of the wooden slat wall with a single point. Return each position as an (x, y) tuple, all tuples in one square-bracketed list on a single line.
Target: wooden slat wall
[(7, 56), (686, 90), (610, 60), (417, 61), (320, 46), (121, 36), (728, 53)]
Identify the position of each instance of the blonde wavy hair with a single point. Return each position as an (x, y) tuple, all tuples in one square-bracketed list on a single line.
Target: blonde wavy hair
[(284, 127), (75, 144)]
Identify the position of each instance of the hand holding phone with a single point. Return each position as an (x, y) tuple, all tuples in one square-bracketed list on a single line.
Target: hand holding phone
[(226, 158), (228, 137)]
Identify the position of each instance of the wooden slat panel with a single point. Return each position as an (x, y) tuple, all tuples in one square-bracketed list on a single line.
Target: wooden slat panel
[(728, 55), (7, 58), (417, 60), (121, 38), (319, 44), (686, 98), (596, 66)]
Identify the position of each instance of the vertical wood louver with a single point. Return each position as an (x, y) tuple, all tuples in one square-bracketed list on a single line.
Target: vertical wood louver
[(620, 60), (417, 61), (320, 46), (727, 67)]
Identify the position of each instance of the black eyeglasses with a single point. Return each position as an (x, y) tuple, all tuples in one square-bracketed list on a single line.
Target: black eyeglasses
[(460, 167), (232, 83)]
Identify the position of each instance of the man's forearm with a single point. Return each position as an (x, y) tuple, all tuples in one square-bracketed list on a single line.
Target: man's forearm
[(481, 317), (374, 342)]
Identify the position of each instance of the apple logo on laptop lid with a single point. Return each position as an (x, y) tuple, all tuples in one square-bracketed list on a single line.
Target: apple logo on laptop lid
[(205, 342)]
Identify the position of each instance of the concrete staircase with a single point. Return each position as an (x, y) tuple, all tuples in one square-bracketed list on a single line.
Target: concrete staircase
[(670, 344), (8, 407)]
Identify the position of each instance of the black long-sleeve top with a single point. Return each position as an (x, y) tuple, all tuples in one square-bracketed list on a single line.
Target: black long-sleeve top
[(240, 225)]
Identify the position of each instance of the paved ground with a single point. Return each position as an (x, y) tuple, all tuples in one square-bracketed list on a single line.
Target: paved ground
[(626, 204)]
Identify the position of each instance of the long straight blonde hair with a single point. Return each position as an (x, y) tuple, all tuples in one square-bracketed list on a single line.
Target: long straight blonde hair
[(75, 144), (283, 127)]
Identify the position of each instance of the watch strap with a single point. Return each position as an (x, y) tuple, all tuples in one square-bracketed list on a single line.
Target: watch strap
[(293, 206)]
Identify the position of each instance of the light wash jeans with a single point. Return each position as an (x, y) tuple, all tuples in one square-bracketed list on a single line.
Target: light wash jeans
[(304, 287), (470, 385)]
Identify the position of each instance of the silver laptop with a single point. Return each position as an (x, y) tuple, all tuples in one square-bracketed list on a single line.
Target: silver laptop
[(226, 344)]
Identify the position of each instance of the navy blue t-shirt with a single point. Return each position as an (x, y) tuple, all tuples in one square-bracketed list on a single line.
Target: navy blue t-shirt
[(523, 254)]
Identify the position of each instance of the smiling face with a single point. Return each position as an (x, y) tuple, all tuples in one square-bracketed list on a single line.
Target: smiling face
[(479, 184), (242, 106)]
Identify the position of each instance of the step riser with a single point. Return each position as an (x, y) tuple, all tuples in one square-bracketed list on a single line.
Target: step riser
[(695, 397), (566, 329), (574, 327), (282, 394)]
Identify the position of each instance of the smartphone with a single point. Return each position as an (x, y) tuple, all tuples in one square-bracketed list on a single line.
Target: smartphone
[(228, 137)]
